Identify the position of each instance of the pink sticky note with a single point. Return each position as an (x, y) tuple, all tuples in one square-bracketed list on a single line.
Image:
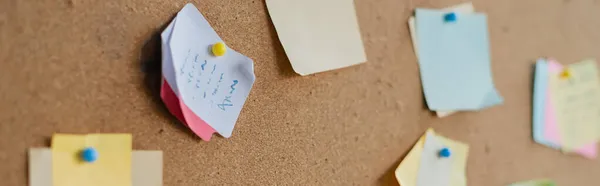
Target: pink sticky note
[(551, 126)]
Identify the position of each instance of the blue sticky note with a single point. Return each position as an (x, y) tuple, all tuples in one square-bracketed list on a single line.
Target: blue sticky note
[(454, 60), (540, 88)]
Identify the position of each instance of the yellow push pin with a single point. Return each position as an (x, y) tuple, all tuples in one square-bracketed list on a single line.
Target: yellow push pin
[(565, 74), (219, 49)]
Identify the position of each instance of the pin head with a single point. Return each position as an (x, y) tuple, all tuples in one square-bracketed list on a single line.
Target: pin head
[(219, 49), (450, 17), (444, 153), (89, 155), (565, 74)]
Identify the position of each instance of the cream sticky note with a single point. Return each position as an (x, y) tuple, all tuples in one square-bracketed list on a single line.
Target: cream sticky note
[(113, 166), (146, 166), (408, 171), (40, 167), (318, 35), (465, 8), (576, 97)]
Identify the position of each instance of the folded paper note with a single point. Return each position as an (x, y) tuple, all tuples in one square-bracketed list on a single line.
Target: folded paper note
[(422, 166), (454, 61), (318, 35), (576, 98), (464, 8), (203, 91), (535, 183), (545, 125), (146, 167), (113, 167)]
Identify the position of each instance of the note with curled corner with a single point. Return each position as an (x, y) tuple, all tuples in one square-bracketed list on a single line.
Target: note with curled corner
[(466, 8), (203, 91), (576, 100), (318, 35), (454, 61)]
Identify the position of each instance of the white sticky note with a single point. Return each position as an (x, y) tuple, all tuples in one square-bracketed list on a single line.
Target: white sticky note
[(209, 91), (460, 8), (146, 167), (318, 35), (434, 170)]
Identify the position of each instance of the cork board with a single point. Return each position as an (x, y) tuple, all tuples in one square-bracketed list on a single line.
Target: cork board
[(78, 66)]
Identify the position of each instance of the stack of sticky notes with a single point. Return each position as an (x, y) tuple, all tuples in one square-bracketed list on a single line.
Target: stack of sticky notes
[(566, 106), (205, 83), (318, 35), (94, 160), (452, 47), (434, 160)]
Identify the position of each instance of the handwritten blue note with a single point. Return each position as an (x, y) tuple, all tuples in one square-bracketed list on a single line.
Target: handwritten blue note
[(454, 60), (211, 90)]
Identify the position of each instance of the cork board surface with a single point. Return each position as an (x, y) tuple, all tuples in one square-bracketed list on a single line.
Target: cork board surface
[(80, 66)]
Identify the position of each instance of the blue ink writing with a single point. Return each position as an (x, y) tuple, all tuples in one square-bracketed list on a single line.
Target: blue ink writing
[(226, 103), (204, 64), (221, 79), (214, 68), (215, 91), (235, 82)]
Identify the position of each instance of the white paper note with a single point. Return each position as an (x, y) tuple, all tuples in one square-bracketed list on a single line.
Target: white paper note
[(433, 170), (213, 88)]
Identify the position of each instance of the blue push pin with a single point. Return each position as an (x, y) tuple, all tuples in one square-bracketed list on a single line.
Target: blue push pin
[(444, 153), (89, 155), (450, 17)]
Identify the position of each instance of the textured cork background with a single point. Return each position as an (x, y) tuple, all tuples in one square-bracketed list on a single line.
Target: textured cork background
[(89, 66)]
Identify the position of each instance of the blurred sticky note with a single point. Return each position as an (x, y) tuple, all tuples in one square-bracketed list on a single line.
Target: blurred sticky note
[(113, 166), (146, 166), (203, 91), (460, 8), (545, 127), (318, 35), (409, 170), (434, 170), (541, 106), (535, 183), (454, 61), (577, 102)]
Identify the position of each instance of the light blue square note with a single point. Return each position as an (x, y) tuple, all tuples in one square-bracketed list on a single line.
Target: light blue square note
[(454, 60)]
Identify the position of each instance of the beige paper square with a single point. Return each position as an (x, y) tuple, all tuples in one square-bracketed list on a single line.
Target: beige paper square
[(318, 35)]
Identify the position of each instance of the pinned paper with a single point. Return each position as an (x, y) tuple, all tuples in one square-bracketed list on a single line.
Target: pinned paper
[(146, 166), (113, 166), (577, 102), (535, 183), (203, 91), (545, 125), (318, 35), (420, 163), (454, 61), (465, 8)]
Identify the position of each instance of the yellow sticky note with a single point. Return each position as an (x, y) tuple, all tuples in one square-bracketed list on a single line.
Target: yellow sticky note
[(577, 102), (407, 171), (113, 166)]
